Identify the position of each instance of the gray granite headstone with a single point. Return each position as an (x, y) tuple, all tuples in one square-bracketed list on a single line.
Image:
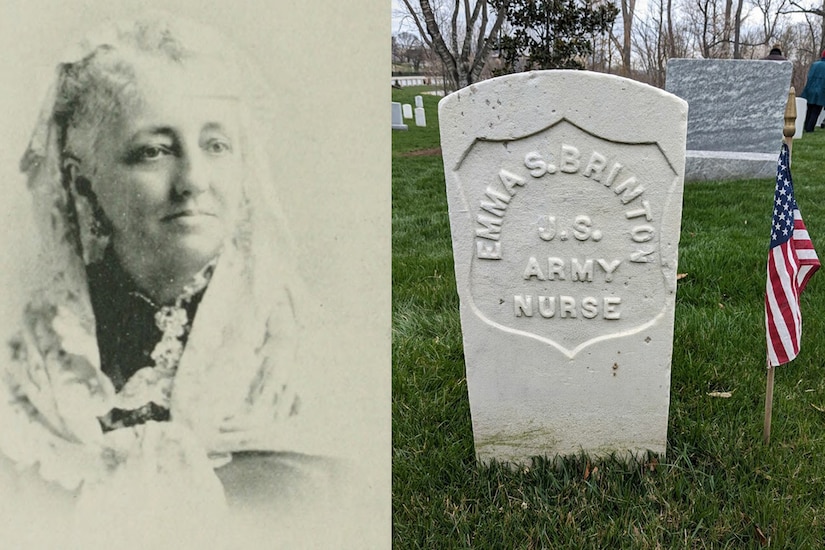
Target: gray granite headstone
[(736, 115), (397, 117), (408, 111), (565, 207)]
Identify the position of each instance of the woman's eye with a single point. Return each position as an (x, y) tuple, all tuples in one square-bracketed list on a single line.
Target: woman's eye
[(152, 152), (218, 147)]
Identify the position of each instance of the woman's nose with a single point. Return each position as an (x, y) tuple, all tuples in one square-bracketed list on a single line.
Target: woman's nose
[(192, 177)]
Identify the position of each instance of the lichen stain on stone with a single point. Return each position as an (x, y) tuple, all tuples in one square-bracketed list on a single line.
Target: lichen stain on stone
[(531, 439)]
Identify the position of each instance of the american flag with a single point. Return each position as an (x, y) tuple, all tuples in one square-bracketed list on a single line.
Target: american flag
[(792, 261)]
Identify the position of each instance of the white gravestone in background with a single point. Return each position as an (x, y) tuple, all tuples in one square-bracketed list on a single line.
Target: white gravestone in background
[(801, 111), (565, 199), (419, 102), (397, 117), (420, 117), (408, 111)]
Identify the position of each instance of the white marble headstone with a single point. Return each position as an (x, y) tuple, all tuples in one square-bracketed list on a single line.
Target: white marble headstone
[(397, 117), (565, 198), (420, 117), (419, 101), (737, 112), (801, 111), (408, 110)]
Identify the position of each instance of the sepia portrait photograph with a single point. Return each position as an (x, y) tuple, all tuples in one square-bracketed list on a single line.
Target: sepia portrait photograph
[(195, 274)]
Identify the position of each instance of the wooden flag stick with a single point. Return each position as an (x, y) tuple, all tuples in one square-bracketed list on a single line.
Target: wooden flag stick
[(766, 434), (789, 129)]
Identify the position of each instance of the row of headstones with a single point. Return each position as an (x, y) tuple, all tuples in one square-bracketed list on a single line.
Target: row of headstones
[(401, 81), (565, 198), (405, 111)]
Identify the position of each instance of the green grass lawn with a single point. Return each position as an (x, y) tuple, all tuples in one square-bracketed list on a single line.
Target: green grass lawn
[(717, 487)]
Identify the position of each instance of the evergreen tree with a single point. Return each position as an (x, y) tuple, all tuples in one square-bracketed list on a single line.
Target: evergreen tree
[(551, 34)]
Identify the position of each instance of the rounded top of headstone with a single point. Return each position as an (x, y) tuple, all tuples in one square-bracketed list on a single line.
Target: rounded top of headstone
[(518, 105)]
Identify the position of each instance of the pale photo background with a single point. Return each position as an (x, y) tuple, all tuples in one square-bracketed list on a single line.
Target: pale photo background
[(327, 64)]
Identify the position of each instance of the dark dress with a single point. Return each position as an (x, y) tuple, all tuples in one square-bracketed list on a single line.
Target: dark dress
[(127, 333)]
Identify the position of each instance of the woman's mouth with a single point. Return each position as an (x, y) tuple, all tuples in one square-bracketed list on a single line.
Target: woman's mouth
[(186, 214)]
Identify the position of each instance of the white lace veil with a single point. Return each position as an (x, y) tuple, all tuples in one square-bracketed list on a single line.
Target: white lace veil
[(238, 371)]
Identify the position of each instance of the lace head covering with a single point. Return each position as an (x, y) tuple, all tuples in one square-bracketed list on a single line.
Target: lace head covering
[(234, 388)]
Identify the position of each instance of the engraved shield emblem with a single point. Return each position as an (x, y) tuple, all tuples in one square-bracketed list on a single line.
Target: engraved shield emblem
[(567, 244)]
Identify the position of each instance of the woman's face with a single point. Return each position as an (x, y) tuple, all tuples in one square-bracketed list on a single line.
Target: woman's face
[(168, 173)]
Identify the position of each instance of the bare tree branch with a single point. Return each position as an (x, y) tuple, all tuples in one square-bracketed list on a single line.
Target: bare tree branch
[(483, 52), (454, 27), (803, 9), (417, 20), (466, 31)]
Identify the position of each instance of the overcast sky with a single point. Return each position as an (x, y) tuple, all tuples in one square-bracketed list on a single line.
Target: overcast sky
[(398, 23)]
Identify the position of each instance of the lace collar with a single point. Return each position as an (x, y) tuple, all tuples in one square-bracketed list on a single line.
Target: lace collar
[(146, 392)]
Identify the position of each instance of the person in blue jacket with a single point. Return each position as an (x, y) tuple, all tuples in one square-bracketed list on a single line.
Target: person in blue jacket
[(814, 92)]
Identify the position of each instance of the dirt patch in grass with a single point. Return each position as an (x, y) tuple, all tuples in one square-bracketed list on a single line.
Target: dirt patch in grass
[(435, 151)]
